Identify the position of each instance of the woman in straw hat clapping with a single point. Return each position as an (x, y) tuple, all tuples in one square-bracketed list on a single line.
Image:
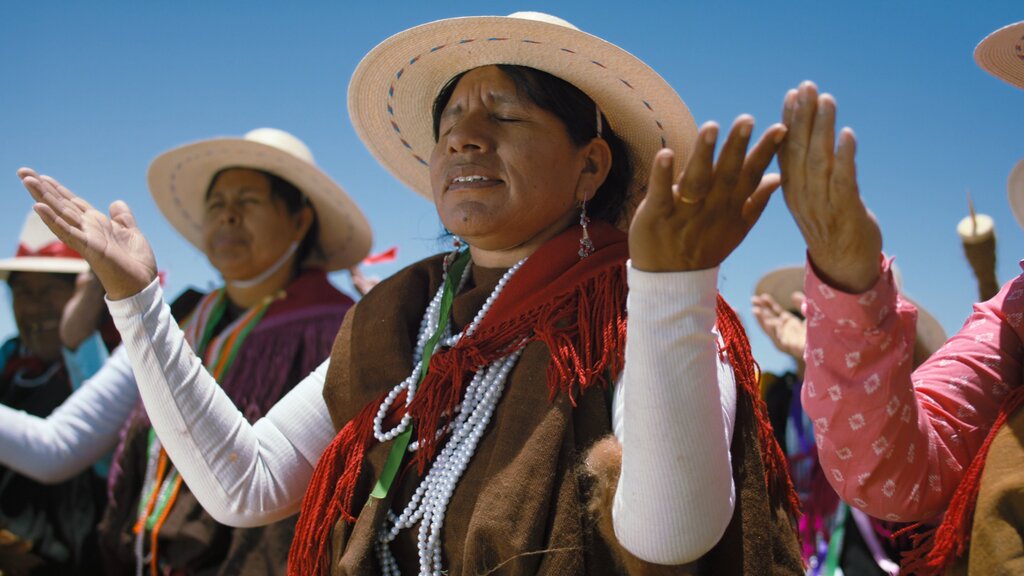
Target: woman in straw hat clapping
[(445, 433), (272, 224), (903, 445)]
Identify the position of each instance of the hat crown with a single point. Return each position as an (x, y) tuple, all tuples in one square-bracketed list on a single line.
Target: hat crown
[(542, 17), (282, 141), (35, 235)]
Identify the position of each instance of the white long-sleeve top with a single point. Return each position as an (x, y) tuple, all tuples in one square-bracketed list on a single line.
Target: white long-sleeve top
[(83, 429), (673, 411)]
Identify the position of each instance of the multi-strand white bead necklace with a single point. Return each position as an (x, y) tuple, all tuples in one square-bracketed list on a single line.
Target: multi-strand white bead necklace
[(430, 500)]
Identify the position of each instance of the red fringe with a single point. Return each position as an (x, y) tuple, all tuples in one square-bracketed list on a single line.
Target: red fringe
[(936, 549), (737, 346), (330, 493), (579, 360), (564, 321)]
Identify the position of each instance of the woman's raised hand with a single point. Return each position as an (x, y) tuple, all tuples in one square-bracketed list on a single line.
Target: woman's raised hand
[(785, 329), (115, 248), (695, 222), (819, 182), (83, 313)]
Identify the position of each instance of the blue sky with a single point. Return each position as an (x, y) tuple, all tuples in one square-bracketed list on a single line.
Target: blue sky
[(91, 92)]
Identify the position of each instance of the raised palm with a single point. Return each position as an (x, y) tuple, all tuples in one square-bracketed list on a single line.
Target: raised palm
[(696, 221), (119, 254), (787, 331), (819, 183)]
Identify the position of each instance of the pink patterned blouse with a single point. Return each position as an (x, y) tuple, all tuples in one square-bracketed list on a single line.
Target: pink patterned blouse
[(892, 442)]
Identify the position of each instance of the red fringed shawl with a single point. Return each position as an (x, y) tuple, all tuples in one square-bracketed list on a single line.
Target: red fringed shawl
[(577, 309)]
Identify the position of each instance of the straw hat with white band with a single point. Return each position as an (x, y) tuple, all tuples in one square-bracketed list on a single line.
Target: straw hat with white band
[(178, 179), (781, 283), (40, 251), (1001, 54), (393, 89)]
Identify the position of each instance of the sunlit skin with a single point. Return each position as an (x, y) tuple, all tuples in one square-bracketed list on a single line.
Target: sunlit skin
[(819, 182), (38, 298), (535, 175), (246, 229)]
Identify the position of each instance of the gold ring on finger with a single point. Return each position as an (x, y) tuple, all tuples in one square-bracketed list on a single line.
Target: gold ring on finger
[(686, 200)]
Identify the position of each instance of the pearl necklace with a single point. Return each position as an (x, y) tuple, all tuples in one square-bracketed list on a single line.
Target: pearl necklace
[(430, 500), (22, 381)]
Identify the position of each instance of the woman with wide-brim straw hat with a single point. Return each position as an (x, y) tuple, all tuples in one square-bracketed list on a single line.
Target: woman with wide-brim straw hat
[(273, 224), (898, 443), (462, 392)]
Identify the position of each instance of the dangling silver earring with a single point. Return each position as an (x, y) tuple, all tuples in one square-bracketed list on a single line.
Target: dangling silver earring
[(586, 245)]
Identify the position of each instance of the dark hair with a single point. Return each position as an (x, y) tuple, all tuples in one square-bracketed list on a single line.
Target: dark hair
[(294, 200), (576, 111)]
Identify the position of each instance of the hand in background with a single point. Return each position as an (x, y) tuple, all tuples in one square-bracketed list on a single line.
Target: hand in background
[(787, 331), (83, 312)]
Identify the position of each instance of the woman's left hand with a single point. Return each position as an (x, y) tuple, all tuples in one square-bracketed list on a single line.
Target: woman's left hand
[(696, 222)]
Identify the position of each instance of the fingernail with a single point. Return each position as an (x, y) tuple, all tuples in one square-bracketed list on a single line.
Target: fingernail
[(664, 160), (710, 136), (780, 135), (745, 130)]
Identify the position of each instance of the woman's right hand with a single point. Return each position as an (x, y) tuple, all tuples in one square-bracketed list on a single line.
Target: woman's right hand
[(115, 248), (819, 183)]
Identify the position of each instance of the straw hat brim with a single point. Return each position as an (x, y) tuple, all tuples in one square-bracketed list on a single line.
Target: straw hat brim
[(53, 265), (178, 179), (1001, 54), (1015, 192), (393, 89)]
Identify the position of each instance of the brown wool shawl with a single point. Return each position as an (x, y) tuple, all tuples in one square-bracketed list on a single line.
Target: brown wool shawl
[(997, 533), (521, 505)]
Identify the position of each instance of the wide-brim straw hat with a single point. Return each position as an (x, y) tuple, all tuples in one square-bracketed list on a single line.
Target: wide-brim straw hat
[(1015, 192), (782, 282), (39, 250), (1001, 54), (179, 178), (392, 91)]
